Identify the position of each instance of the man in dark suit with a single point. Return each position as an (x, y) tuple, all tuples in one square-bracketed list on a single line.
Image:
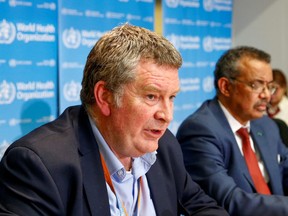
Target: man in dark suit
[(113, 155), (283, 128), (212, 145)]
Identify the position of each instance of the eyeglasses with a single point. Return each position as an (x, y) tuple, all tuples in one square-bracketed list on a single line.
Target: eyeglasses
[(258, 86)]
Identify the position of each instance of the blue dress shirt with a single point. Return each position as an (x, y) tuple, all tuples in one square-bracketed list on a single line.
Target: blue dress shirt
[(127, 184)]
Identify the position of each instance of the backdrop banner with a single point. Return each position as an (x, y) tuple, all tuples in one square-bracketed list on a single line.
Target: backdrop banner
[(81, 25), (201, 31), (41, 70), (28, 67), (44, 45)]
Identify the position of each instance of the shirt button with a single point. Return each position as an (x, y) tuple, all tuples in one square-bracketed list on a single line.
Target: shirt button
[(120, 173)]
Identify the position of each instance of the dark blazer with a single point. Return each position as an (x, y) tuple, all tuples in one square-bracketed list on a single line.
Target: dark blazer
[(213, 159), (283, 129), (56, 170)]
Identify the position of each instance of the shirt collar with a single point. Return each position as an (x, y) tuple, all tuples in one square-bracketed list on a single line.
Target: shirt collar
[(234, 124), (140, 165)]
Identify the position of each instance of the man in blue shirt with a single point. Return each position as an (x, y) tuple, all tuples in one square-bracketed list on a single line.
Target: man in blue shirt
[(113, 155)]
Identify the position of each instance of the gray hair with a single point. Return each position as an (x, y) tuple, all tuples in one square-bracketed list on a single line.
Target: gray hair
[(115, 56)]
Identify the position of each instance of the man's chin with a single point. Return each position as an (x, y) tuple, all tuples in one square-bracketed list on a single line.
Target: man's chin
[(259, 114), (153, 147)]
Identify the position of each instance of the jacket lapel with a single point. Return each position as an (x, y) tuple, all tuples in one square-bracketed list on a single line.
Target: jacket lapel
[(94, 185), (261, 143), (159, 193), (221, 118), (92, 172)]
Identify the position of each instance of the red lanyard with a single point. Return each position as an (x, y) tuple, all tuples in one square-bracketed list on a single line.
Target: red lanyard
[(109, 182)]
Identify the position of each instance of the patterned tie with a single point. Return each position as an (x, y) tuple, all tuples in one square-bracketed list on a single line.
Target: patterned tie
[(252, 163)]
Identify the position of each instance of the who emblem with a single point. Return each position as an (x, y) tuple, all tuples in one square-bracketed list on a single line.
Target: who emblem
[(71, 91), (71, 38), (7, 92), (7, 32)]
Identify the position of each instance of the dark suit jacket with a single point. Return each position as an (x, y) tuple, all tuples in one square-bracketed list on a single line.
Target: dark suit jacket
[(283, 129), (56, 170), (213, 159)]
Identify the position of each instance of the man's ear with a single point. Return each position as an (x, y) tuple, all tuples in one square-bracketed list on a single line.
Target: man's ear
[(224, 86), (103, 98)]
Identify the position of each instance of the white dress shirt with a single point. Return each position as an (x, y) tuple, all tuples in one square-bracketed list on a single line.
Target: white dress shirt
[(235, 126)]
